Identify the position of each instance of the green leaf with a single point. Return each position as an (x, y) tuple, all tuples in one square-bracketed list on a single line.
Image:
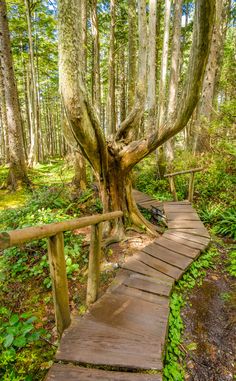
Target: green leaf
[(19, 342), (8, 340), (14, 319)]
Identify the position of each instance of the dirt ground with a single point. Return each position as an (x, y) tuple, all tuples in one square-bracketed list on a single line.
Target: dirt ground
[(210, 329)]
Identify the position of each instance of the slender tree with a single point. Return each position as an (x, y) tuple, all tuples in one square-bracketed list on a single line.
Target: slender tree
[(132, 52), (17, 174), (34, 125), (112, 162), (174, 71), (111, 103), (152, 49)]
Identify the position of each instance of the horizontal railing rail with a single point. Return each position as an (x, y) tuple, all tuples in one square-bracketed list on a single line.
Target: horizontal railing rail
[(192, 172), (56, 257)]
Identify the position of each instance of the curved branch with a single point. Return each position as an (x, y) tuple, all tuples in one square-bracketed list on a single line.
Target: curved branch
[(203, 26)]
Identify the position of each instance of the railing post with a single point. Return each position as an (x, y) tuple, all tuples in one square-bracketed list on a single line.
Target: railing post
[(57, 266), (191, 187), (172, 188), (94, 263)]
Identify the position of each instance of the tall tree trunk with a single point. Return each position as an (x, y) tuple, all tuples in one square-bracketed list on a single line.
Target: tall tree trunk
[(151, 80), (3, 113), (205, 106), (96, 82), (122, 86), (132, 52), (174, 72), (111, 102), (164, 63), (17, 174), (34, 147)]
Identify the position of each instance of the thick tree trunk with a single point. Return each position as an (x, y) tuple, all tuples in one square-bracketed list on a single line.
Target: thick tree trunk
[(17, 174), (79, 180)]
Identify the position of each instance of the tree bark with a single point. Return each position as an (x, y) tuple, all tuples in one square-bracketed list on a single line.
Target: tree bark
[(174, 71), (3, 114), (152, 49), (96, 83), (205, 106), (34, 142), (132, 48), (111, 102), (17, 174), (164, 62)]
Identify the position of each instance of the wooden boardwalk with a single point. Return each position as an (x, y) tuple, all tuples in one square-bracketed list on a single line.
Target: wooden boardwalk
[(125, 330)]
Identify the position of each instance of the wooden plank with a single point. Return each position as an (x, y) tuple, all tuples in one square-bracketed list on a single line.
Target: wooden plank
[(177, 247), (183, 241), (120, 332), (183, 216), (62, 372), (191, 237), (183, 202), (143, 295), (167, 255), (200, 232), (148, 284), (172, 208), (136, 266), (185, 224), (159, 265)]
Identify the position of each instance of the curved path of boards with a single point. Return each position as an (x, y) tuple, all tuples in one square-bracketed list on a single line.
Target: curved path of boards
[(126, 328)]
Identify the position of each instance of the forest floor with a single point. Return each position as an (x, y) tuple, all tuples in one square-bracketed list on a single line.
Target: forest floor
[(28, 338), (209, 317)]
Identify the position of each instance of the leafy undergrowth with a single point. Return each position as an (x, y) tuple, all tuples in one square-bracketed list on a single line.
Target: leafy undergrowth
[(28, 339), (175, 351)]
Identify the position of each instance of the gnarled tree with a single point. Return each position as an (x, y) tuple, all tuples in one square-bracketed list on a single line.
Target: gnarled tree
[(113, 160)]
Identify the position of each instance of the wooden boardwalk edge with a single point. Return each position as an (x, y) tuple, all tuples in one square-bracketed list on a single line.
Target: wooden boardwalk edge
[(127, 327)]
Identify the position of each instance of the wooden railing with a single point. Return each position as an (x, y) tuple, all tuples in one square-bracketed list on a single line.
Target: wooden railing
[(56, 257), (191, 182)]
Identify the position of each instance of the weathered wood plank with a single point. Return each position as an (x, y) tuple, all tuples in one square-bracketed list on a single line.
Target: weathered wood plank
[(143, 295), (177, 247), (117, 332), (167, 255), (191, 237), (183, 216), (148, 284), (185, 224), (136, 266), (199, 232), (62, 372), (184, 241), (159, 265), (172, 208)]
